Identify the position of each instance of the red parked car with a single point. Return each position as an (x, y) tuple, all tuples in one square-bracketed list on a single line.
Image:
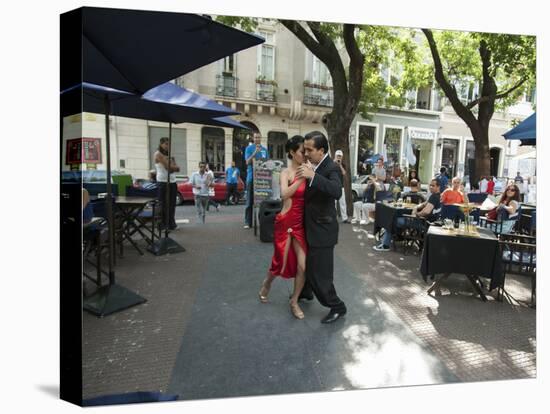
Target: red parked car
[(185, 190)]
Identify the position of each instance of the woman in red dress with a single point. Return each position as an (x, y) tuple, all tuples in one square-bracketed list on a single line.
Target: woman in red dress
[(289, 238)]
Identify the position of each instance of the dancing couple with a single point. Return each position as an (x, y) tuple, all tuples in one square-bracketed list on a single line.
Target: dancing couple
[(306, 230)]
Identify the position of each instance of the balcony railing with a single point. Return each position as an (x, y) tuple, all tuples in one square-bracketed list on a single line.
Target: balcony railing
[(265, 90), (226, 85), (318, 95)]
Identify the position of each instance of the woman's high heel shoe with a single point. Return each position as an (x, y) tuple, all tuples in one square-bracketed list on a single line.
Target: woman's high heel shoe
[(296, 311), (264, 291)]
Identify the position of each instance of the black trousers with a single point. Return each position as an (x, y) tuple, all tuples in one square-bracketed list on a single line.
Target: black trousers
[(232, 191), (169, 220), (249, 203), (320, 276)]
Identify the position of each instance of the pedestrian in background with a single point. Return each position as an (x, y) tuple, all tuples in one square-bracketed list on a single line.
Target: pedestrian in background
[(232, 175), (442, 178), (257, 152), (379, 171), (338, 157), (212, 191), (490, 185), (201, 182)]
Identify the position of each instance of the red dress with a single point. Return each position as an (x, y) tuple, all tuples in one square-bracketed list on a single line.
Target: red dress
[(287, 226)]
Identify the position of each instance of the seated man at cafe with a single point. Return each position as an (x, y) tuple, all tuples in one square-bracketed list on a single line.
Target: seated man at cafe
[(414, 193), (453, 195), (428, 209), (363, 211)]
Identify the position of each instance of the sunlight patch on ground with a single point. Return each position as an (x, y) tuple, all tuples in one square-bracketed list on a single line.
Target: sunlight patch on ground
[(384, 359)]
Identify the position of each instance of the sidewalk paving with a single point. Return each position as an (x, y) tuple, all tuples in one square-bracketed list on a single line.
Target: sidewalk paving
[(204, 334)]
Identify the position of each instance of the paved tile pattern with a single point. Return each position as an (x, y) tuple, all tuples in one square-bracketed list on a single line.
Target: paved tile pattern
[(138, 349), (478, 341)]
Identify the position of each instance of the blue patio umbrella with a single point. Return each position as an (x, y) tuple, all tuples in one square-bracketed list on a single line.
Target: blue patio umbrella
[(136, 50), (526, 131), (227, 122), (165, 103), (374, 158)]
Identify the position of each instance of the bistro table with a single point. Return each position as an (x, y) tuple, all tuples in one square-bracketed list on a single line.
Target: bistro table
[(130, 207), (386, 214), (473, 254)]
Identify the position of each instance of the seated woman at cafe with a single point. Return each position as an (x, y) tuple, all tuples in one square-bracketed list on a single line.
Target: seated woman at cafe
[(428, 209), (453, 195), (508, 204), (363, 211), (414, 193)]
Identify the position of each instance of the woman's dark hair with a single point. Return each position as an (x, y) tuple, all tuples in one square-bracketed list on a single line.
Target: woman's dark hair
[(504, 197), (319, 140), (293, 144)]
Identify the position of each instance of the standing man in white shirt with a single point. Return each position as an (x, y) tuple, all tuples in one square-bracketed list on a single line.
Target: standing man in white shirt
[(338, 156), (483, 185), (166, 168), (201, 182)]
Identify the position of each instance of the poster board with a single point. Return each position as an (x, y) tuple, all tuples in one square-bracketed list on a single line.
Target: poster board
[(266, 179), (83, 150)]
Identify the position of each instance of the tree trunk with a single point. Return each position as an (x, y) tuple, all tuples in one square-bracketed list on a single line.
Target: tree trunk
[(337, 127), (483, 155)]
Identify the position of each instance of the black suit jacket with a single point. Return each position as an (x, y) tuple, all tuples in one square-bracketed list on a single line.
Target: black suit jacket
[(319, 211)]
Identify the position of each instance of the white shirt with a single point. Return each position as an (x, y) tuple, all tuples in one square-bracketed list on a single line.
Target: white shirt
[(317, 166), (202, 180), (483, 186), (162, 173)]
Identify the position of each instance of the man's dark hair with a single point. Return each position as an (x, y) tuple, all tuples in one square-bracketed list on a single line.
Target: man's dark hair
[(202, 163), (437, 183), (160, 149), (443, 170), (319, 140)]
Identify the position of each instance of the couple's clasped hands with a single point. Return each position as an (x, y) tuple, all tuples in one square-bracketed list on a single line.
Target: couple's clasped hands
[(305, 171)]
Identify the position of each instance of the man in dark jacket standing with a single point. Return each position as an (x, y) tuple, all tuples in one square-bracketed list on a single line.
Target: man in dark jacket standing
[(324, 187)]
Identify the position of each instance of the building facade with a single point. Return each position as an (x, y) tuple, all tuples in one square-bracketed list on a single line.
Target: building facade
[(281, 89)]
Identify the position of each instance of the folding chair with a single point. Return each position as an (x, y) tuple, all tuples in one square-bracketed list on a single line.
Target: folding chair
[(147, 219), (519, 256), (451, 212), (501, 226)]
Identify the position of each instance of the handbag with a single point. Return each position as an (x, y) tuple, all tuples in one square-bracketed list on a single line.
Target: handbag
[(492, 214)]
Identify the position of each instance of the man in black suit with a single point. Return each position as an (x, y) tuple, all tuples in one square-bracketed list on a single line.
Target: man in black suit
[(323, 189)]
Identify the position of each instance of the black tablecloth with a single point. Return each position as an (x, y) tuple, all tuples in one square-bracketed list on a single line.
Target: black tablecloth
[(446, 252), (385, 216)]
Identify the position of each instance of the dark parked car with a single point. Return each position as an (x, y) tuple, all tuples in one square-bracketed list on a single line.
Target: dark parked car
[(185, 190)]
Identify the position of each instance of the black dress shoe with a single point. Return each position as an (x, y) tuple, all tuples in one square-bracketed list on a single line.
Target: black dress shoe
[(332, 316)]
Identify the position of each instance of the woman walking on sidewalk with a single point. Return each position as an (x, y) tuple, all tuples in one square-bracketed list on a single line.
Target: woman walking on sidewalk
[(289, 239)]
